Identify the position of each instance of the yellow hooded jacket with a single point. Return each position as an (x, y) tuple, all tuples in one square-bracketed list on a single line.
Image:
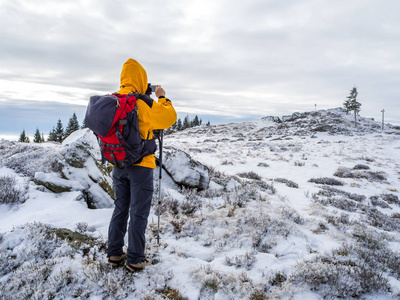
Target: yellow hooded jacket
[(152, 116)]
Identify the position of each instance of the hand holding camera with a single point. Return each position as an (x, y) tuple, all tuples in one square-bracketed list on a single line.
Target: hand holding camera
[(158, 90)]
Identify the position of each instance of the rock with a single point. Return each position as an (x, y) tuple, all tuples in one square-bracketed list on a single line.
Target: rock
[(56, 184), (274, 119), (81, 171), (184, 170), (79, 146)]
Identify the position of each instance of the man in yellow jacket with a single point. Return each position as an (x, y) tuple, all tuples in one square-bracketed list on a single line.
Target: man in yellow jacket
[(133, 186)]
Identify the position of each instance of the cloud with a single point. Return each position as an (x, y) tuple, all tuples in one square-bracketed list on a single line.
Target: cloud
[(239, 60)]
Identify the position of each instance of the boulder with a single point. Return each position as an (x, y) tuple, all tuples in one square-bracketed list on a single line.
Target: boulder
[(184, 170), (82, 171), (79, 146)]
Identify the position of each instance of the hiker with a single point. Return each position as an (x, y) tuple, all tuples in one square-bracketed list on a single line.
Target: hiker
[(133, 185)]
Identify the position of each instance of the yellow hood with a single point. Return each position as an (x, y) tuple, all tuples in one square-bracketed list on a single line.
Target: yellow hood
[(133, 78)]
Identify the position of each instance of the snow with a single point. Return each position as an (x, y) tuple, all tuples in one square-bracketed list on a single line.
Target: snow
[(231, 240)]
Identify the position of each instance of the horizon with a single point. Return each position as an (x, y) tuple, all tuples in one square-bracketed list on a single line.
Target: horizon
[(14, 137)]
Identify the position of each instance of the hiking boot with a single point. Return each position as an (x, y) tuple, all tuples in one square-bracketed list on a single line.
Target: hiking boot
[(116, 260), (139, 266)]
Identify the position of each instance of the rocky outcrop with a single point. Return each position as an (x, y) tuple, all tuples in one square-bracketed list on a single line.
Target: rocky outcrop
[(81, 171), (184, 170)]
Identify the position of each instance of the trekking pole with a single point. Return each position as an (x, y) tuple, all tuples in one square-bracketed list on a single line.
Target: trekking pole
[(160, 139)]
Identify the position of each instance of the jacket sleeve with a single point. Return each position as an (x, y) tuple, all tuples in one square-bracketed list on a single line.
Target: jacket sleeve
[(163, 114)]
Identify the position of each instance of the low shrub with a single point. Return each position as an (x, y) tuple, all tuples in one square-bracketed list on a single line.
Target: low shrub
[(250, 175), (327, 181), (288, 182), (10, 192), (369, 175), (361, 167)]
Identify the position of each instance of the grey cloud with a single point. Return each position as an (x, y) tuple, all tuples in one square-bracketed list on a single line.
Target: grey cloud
[(270, 52)]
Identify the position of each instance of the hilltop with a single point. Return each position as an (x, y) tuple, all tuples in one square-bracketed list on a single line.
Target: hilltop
[(300, 206)]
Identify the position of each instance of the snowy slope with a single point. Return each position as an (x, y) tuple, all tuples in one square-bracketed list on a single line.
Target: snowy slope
[(302, 206)]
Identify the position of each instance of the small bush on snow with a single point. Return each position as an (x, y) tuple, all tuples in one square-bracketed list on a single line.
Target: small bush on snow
[(10, 193), (29, 159), (340, 199), (377, 219), (81, 227), (242, 261), (390, 198), (250, 175), (361, 167), (288, 182), (278, 279), (375, 201), (369, 175), (353, 269), (326, 180), (227, 285), (333, 278), (188, 206)]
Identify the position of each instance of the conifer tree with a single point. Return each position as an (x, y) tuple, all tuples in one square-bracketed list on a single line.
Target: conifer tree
[(52, 135), (59, 132), (23, 138), (351, 104), (72, 126), (196, 121), (37, 138), (179, 125), (83, 124), (186, 122)]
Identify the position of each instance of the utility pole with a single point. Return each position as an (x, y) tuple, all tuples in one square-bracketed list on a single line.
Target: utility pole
[(383, 117)]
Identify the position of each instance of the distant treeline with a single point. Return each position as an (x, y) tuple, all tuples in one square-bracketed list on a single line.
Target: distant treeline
[(186, 123), (59, 134)]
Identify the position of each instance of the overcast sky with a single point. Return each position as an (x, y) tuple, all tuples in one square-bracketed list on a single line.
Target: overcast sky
[(222, 60)]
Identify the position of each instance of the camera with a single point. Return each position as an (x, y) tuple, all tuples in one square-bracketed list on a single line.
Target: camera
[(153, 87)]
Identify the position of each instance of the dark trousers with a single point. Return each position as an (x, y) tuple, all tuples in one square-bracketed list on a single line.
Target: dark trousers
[(133, 190)]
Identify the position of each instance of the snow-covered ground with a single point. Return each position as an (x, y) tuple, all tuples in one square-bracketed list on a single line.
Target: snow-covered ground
[(300, 207)]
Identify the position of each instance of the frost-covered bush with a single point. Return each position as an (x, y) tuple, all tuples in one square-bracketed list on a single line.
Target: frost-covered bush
[(289, 213), (246, 260), (11, 192), (278, 279), (390, 198), (288, 182), (227, 285), (29, 159), (262, 186), (372, 249), (342, 222), (377, 219), (333, 278), (250, 175), (263, 164), (327, 181), (361, 167), (189, 202), (369, 175), (81, 227), (375, 201), (329, 191), (353, 269), (338, 200), (52, 263)]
